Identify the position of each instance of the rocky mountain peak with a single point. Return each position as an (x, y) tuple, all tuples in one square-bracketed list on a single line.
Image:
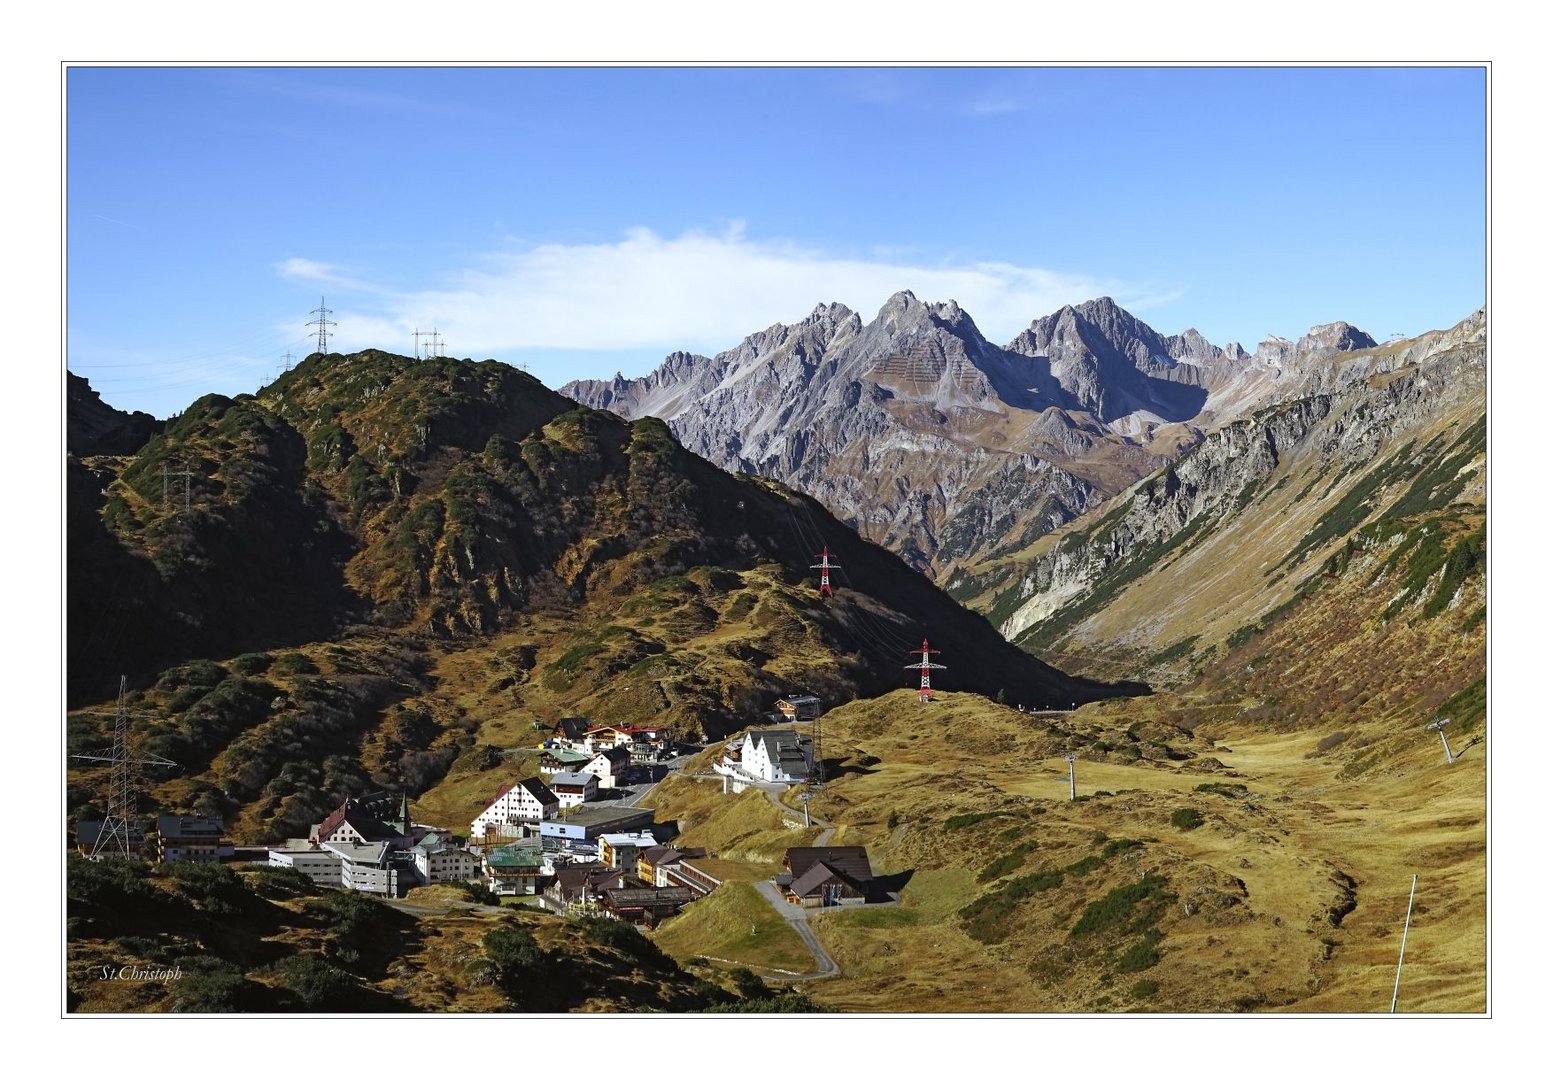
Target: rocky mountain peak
[(949, 311), (832, 313), (1334, 336), (1320, 341), (1191, 345), (1275, 350)]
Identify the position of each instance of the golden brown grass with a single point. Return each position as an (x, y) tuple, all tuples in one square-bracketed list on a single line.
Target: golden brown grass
[(735, 924), (1256, 887)]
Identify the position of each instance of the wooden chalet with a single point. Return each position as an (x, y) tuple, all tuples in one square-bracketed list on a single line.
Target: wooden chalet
[(648, 907), (800, 707), (578, 887), (826, 876)]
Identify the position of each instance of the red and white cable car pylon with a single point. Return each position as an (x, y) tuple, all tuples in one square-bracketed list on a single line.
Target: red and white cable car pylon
[(823, 566), (925, 694)]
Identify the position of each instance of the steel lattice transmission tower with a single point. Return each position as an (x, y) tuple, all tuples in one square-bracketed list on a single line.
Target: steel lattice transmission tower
[(323, 322), (113, 839), (925, 693), (824, 566)]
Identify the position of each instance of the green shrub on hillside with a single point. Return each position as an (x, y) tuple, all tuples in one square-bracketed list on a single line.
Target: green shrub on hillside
[(1186, 818), (517, 956), (964, 821), (293, 663), (1116, 909), (1007, 863), (1143, 954), (209, 984), (216, 889), (791, 1001), (318, 985), (204, 673), (256, 663)]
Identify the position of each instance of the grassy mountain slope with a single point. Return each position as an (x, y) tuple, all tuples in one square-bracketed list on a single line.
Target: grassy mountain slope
[(1209, 864), (386, 572)]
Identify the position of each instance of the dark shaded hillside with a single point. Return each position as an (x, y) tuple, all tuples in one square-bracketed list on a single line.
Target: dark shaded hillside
[(268, 940), (458, 499), (241, 553), (92, 426)]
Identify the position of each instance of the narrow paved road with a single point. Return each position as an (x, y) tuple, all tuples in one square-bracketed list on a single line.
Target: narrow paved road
[(797, 917), (637, 794)]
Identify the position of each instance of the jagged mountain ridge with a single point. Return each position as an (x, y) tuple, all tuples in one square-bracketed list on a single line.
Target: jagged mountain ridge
[(931, 440), (1370, 448)]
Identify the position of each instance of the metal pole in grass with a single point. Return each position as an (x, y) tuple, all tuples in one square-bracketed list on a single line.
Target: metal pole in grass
[(1072, 788), (1406, 923), (1439, 725)]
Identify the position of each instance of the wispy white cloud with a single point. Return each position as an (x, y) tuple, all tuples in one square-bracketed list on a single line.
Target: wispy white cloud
[(321, 273), (701, 291), (995, 105)]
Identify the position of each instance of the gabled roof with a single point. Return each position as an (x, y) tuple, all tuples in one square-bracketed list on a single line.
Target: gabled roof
[(813, 878), (660, 855), (850, 862), (589, 877), (536, 787), (497, 798), (571, 727), (783, 749), (614, 755), (533, 785), (629, 898), (573, 779), (779, 743), (370, 828), (774, 738)]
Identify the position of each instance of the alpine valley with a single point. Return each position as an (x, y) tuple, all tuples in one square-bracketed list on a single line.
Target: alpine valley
[(1219, 592)]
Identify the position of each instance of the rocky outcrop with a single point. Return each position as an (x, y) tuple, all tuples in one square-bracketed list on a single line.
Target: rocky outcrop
[(92, 426)]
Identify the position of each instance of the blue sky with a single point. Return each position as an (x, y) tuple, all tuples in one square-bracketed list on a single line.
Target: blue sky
[(587, 220)]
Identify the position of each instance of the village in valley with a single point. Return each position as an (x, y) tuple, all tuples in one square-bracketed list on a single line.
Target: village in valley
[(573, 841)]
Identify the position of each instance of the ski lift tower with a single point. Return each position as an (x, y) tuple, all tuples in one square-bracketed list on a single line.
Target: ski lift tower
[(1439, 725), (925, 693)]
